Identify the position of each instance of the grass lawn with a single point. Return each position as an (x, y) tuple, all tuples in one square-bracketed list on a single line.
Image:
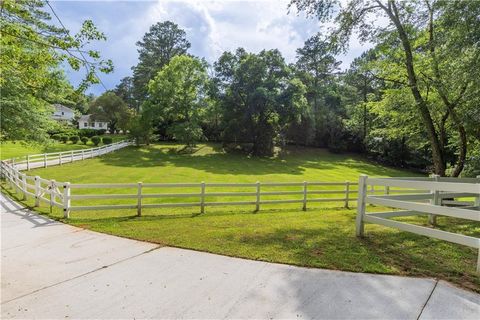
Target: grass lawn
[(323, 236)]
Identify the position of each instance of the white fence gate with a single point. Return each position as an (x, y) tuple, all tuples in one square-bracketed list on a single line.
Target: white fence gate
[(439, 196)]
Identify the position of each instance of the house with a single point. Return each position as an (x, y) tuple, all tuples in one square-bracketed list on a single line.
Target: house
[(86, 121), (63, 114)]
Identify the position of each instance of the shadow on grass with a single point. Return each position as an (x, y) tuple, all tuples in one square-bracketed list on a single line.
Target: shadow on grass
[(211, 158)]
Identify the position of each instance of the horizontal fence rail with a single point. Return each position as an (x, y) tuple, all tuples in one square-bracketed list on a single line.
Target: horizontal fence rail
[(451, 197), (45, 160)]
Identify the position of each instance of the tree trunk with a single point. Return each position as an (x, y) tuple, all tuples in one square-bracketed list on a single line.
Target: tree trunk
[(437, 152), (448, 104)]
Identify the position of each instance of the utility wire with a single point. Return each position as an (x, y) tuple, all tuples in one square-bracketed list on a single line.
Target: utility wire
[(81, 53), (42, 43)]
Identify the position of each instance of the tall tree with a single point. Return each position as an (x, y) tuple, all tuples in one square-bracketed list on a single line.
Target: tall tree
[(158, 46), (177, 96), (260, 97), (316, 67), (125, 91)]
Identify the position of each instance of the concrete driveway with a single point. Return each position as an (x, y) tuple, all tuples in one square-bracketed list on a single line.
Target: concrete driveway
[(52, 270)]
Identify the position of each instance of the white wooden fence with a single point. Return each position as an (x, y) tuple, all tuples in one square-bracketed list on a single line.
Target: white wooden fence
[(443, 198), (61, 194), (58, 158)]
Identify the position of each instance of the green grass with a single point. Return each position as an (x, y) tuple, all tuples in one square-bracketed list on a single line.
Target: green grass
[(323, 236)]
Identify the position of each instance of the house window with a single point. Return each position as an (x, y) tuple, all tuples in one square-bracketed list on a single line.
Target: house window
[(92, 124), (100, 124), (63, 113), (85, 124)]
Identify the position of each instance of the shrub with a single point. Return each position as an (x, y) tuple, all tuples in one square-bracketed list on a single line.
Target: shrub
[(101, 132), (56, 137), (84, 140), (87, 133), (96, 140), (74, 139), (64, 139), (107, 140)]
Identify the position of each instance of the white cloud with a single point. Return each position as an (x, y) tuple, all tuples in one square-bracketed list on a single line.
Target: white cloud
[(217, 26)]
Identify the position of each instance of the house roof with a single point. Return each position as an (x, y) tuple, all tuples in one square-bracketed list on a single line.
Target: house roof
[(86, 118), (61, 107)]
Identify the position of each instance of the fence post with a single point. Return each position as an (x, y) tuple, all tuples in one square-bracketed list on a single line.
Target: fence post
[(304, 196), (347, 193), (52, 194), (71, 156), (24, 184), (477, 204), (16, 180), (478, 262), (139, 199), (432, 219), (83, 155), (60, 159), (37, 191), (362, 193), (28, 163), (66, 200), (257, 202), (44, 160), (202, 197)]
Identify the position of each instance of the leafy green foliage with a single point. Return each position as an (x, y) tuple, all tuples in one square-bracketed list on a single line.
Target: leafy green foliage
[(74, 139), (110, 108), (64, 139), (107, 140), (96, 140), (140, 129), (177, 95), (259, 97), (84, 140), (87, 132)]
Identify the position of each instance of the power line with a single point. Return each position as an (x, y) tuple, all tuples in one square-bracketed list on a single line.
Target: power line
[(81, 53), (42, 43)]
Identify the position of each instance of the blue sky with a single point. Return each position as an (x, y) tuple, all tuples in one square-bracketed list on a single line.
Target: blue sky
[(211, 26)]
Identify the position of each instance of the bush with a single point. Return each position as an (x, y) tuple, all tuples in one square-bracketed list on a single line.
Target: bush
[(101, 132), (107, 140), (96, 140), (87, 133), (64, 139), (84, 140), (74, 139), (56, 137)]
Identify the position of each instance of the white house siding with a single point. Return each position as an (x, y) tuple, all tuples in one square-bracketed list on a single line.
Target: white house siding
[(86, 122), (63, 114)]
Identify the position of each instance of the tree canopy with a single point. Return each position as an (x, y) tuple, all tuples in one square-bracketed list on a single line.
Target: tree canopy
[(177, 96)]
